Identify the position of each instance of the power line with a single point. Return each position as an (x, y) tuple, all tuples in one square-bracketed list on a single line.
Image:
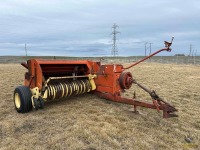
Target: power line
[(114, 51)]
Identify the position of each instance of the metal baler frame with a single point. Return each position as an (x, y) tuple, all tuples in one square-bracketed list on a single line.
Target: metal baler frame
[(107, 81)]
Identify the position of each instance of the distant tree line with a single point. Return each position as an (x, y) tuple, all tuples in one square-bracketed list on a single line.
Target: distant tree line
[(179, 55)]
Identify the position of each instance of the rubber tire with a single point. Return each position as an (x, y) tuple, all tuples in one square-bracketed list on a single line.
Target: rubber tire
[(25, 99), (41, 103), (36, 105)]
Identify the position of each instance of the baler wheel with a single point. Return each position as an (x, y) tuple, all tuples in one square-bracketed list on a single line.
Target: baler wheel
[(41, 103), (35, 103), (22, 99)]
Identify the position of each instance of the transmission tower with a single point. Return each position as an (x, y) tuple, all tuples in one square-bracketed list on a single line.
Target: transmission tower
[(114, 51)]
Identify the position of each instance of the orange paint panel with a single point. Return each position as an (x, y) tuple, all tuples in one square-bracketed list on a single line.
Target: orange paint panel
[(104, 89), (106, 80), (111, 69)]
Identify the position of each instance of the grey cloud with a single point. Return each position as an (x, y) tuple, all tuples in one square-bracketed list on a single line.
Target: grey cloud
[(57, 27)]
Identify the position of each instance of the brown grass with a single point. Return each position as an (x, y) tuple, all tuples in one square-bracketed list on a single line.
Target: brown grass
[(88, 122)]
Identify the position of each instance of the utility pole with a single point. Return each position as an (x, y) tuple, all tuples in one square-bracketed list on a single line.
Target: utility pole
[(196, 52), (25, 50), (194, 59), (146, 48), (192, 52), (190, 49), (114, 51), (150, 48)]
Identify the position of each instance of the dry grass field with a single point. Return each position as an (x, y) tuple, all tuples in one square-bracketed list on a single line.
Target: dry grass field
[(88, 122)]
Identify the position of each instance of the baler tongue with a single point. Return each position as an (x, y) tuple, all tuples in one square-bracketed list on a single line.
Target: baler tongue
[(159, 103), (168, 111)]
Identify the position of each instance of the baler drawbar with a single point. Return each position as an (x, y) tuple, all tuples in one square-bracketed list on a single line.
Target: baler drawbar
[(48, 80)]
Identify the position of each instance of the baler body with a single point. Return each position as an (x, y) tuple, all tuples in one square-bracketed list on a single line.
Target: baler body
[(58, 79)]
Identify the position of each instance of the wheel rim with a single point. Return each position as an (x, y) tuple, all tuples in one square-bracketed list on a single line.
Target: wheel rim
[(33, 104), (17, 100)]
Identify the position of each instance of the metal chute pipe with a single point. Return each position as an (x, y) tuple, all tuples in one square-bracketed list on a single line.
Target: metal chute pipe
[(164, 49), (167, 48)]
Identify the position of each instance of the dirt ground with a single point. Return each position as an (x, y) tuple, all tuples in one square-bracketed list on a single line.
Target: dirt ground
[(88, 122)]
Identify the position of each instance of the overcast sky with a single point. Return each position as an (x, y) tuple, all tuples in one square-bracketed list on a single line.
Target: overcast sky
[(83, 27)]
